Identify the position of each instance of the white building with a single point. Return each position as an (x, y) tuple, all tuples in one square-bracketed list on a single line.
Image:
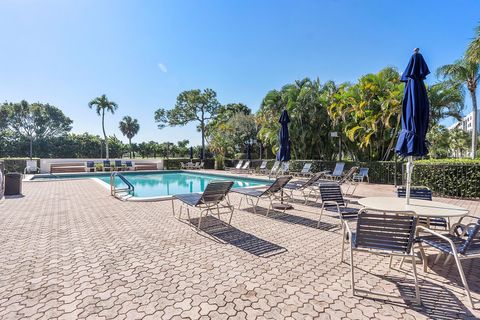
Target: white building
[(466, 123)]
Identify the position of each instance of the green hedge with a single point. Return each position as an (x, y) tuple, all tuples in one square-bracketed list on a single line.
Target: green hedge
[(174, 164), (450, 177)]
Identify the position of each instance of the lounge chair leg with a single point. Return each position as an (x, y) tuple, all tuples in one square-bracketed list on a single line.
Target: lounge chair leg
[(464, 280), (447, 260), (320, 218), (438, 258), (240, 203), (200, 221), (180, 213), (390, 263), (352, 278), (417, 289), (424, 258), (401, 263), (173, 208), (231, 214), (343, 244)]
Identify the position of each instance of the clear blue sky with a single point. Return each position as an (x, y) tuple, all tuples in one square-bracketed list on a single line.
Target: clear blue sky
[(143, 53)]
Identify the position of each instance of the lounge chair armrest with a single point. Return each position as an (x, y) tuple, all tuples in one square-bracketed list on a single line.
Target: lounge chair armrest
[(331, 203), (441, 236)]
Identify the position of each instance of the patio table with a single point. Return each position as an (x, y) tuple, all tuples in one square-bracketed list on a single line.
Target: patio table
[(423, 208)]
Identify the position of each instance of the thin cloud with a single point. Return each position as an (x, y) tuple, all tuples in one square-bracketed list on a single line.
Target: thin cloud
[(162, 67)]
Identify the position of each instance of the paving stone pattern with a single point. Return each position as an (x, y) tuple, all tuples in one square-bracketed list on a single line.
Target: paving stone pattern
[(71, 251)]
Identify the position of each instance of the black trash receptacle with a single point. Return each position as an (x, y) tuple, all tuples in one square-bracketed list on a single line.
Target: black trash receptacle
[(13, 183)]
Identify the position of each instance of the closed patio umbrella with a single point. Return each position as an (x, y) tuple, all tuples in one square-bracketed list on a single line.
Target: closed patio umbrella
[(249, 152), (191, 153), (415, 115), (283, 153)]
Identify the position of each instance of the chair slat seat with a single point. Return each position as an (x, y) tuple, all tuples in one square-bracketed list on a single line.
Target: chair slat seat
[(434, 222), (444, 246), (250, 192), (191, 199)]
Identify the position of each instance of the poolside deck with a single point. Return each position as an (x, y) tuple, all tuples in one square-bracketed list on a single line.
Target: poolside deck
[(70, 250)]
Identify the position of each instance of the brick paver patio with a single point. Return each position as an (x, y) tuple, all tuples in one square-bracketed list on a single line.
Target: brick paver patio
[(71, 251)]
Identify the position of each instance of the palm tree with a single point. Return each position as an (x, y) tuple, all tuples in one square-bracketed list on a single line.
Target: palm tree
[(468, 72), (102, 104), (129, 128), (473, 51)]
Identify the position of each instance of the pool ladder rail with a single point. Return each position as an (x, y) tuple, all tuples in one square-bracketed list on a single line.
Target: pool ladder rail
[(121, 193)]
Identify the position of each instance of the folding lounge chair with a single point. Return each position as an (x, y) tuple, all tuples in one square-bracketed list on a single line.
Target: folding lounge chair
[(362, 175), (244, 169), (106, 165), (347, 179), (213, 200), (337, 172), (308, 188), (183, 165), (305, 172), (333, 201), (272, 193), (274, 171), (263, 168), (383, 233), (196, 165), (129, 165), (90, 166), (423, 193), (462, 242), (31, 167), (237, 167), (201, 166)]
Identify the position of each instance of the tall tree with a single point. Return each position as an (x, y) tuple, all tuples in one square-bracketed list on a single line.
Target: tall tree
[(473, 51), (35, 121), (129, 128), (467, 72), (102, 105), (191, 106), (446, 100)]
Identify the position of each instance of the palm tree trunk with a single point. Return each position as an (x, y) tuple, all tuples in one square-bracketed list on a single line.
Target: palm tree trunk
[(130, 144), (474, 123), (104, 134)]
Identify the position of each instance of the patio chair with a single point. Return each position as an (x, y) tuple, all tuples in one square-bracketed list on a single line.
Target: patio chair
[(305, 172), (263, 167), (129, 165), (333, 201), (31, 167), (238, 166), (273, 172), (462, 242), (90, 166), (272, 193), (361, 175), (423, 193), (196, 166), (183, 165), (308, 188), (201, 166), (337, 172), (212, 201), (107, 165), (384, 233), (118, 165)]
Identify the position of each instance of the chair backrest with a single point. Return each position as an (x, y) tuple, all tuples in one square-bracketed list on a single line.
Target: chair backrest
[(349, 175), (118, 163), (106, 163), (263, 165), (306, 167), (246, 165), (128, 163), (275, 166), (202, 164), (421, 193), (338, 171), (197, 164), (285, 167), (278, 184), (239, 164), (31, 164), (363, 172), (472, 242), (313, 179), (215, 192), (388, 231), (331, 192), (90, 164)]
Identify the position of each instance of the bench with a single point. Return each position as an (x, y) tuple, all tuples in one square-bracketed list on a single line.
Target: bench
[(67, 167), (145, 166)]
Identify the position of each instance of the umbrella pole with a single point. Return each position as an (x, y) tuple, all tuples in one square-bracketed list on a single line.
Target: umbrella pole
[(409, 177)]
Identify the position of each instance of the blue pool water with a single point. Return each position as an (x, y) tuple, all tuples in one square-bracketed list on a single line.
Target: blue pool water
[(164, 183)]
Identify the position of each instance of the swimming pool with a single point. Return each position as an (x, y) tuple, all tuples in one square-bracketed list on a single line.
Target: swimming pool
[(160, 184)]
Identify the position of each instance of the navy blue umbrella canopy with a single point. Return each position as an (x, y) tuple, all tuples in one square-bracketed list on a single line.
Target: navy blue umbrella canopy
[(249, 152), (191, 153), (415, 109), (283, 153)]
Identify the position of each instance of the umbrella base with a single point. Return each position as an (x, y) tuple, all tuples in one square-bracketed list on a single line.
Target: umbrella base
[(282, 206)]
